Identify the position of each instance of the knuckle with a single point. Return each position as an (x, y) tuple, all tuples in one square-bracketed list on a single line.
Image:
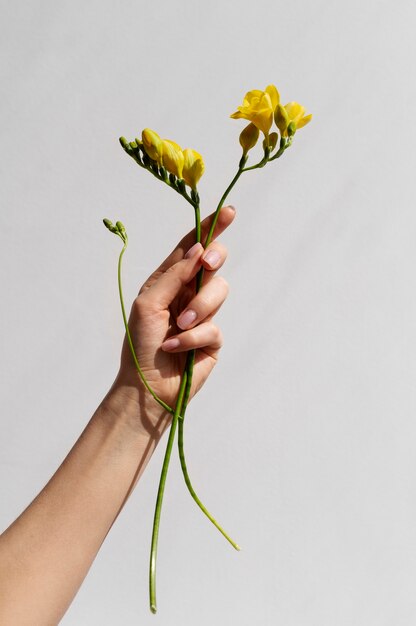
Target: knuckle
[(175, 273), (217, 334), (223, 283), (144, 287), (140, 305)]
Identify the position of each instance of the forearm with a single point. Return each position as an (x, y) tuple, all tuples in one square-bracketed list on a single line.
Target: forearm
[(46, 553)]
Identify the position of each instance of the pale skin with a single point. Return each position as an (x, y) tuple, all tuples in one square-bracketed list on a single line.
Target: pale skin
[(47, 551)]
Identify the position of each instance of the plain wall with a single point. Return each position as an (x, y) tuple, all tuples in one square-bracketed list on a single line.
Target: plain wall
[(302, 443)]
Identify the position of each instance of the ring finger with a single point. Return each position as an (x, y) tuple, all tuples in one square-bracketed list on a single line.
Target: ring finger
[(206, 335)]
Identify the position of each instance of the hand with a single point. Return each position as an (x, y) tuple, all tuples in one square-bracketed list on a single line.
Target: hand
[(167, 319)]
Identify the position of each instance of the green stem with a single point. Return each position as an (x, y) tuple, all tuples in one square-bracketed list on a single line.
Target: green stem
[(129, 339), (190, 362), (284, 145), (261, 163), (220, 204), (189, 367), (160, 492), (191, 489)]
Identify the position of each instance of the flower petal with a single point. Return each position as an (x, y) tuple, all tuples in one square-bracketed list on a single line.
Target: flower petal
[(152, 144), (305, 120), (193, 167), (172, 157), (295, 111), (274, 95)]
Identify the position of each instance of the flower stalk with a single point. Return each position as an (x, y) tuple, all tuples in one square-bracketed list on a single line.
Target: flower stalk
[(181, 170)]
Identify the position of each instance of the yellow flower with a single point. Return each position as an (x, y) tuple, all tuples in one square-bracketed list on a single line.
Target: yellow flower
[(152, 144), (249, 137), (193, 167), (258, 107), (291, 117), (172, 157)]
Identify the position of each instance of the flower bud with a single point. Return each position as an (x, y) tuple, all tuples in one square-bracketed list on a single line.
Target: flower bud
[(291, 129), (152, 144), (193, 167), (109, 224), (249, 137), (124, 142), (172, 157), (163, 173), (270, 142), (281, 118), (120, 228)]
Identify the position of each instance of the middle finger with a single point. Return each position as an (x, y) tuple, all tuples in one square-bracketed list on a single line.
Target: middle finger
[(204, 304)]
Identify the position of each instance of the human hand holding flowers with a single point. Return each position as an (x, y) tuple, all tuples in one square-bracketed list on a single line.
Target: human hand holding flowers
[(181, 170), (47, 551), (157, 317)]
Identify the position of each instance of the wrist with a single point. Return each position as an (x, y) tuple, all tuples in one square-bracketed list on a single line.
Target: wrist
[(129, 406)]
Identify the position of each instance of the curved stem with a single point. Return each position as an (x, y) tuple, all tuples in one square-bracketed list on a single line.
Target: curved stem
[(192, 491), (159, 499), (261, 163), (129, 339), (189, 367)]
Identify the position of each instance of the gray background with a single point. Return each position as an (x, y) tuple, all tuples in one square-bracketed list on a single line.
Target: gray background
[(302, 442)]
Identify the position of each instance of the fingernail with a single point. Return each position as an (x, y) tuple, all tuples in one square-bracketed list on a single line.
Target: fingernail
[(170, 344), (193, 251), (211, 258), (230, 206), (186, 318)]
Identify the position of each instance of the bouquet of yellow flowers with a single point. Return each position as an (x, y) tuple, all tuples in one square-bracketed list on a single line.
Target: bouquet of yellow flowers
[(181, 170)]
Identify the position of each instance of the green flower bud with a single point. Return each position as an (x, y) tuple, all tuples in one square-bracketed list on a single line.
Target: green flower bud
[(163, 173), (120, 228), (291, 129), (109, 224), (146, 159)]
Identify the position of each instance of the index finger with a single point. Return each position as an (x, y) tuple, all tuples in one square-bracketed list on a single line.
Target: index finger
[(225, 218)]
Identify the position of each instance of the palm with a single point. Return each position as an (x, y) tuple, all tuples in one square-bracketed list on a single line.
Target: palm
[(162, 370), (165, 295)]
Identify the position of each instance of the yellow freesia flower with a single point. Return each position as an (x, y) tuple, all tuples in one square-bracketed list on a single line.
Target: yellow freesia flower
[(193, 167), (291, 117), (172, 157), (152, 144), (258, 107)]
